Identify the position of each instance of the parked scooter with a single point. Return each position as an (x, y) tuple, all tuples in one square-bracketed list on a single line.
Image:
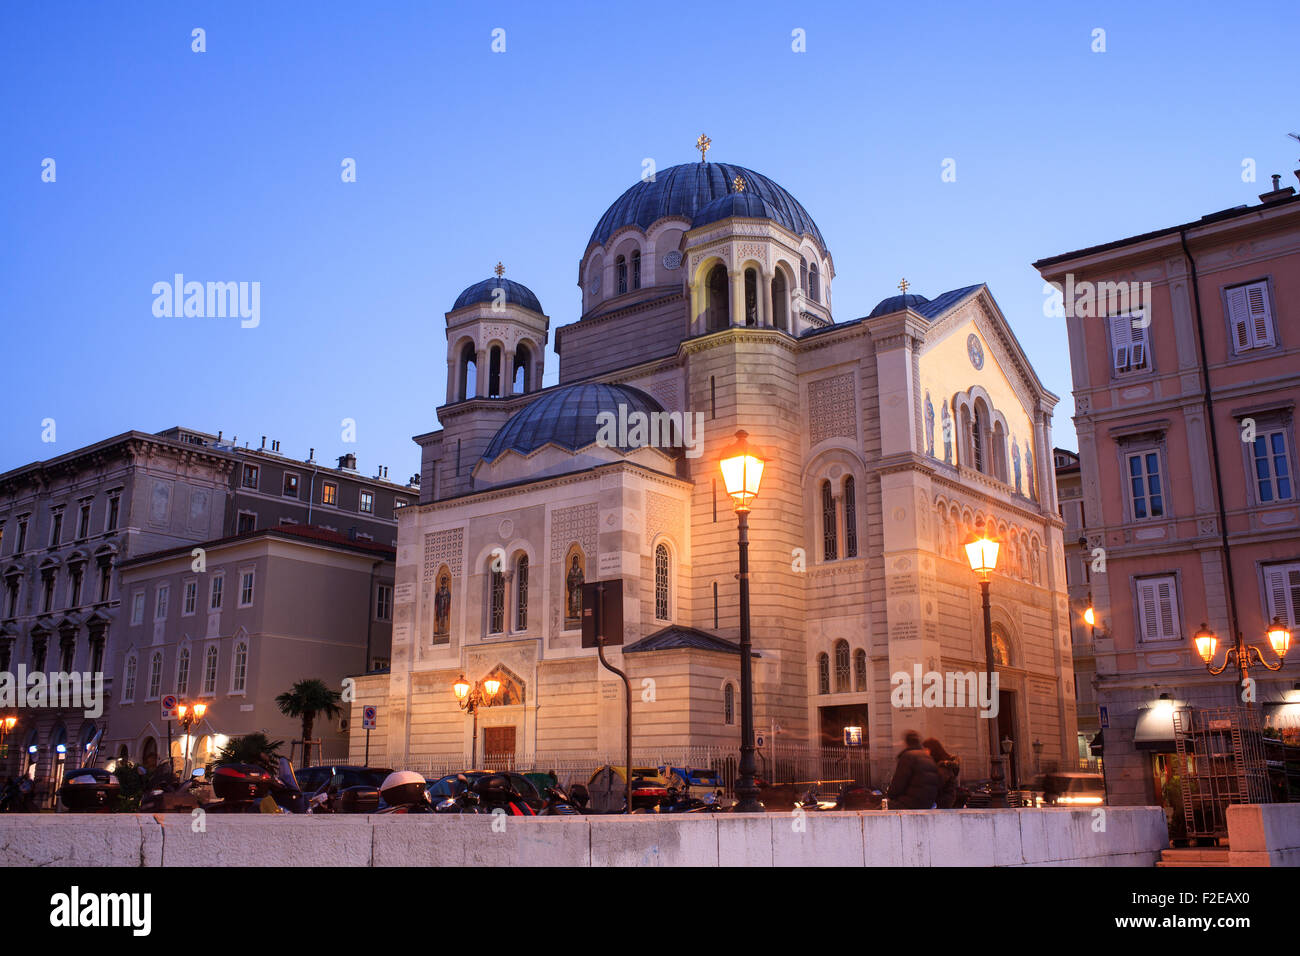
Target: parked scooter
[(248, 788), (490, 792), (405, 791), (558, 804)]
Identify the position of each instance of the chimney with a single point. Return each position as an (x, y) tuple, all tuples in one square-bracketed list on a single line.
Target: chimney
[(348, 462), (263, 443), (1278, 191), (311, 455)]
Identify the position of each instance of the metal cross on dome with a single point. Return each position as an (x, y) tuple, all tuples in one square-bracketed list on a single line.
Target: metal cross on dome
[(904, 285), (703, 144), (500, 270)]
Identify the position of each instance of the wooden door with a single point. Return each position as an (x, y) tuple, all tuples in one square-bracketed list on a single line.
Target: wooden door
[(499, 747)]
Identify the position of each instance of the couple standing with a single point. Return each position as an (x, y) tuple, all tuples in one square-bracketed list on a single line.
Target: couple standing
[(925, 776)]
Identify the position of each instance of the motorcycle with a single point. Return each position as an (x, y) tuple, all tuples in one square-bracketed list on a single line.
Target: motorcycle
[(851, 797), (248, 788), (492, 792), (404, 791)]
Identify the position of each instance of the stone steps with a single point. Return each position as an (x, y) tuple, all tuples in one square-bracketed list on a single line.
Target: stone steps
[(1194, 857)]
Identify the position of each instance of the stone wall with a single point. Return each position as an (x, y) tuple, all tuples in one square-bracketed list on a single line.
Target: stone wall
[(1132, 837)]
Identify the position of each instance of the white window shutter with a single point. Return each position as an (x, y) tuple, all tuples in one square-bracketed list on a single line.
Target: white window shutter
[(1261, 325), (1239, 318), (1293, 593), (1168, 609)]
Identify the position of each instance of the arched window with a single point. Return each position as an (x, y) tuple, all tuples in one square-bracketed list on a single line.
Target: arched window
[(620, 269), (850, 518), (823, 673), (814, 289), (521, 593), (803, 273), (751, 297), (183, 672), (155, 675), (210, 671), (496, 597), (494, 372), (239, 668), (1001, 651), (830, 536), (636, 268), (719, 305), (128, 684), (662, 605), (977, 440), (859, 670), (729, 704), (467, 370), (779, 317), (522, 382), (841, 666)]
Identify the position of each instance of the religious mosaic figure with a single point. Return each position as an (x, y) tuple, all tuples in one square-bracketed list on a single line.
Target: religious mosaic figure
[(442, 607), (947, 434), (929, 425), (1029, 472), (573, 585), (1015, 461)]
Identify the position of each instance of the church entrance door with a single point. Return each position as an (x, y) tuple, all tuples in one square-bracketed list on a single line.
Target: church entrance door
[(499, 748)]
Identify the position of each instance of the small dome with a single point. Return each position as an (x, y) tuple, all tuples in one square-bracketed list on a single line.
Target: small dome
[(746, 205), (686, 189), (567, 417), (896, 303), (516, 293)]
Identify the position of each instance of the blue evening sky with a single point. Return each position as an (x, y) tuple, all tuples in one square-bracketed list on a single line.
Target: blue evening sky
[(225, 165)]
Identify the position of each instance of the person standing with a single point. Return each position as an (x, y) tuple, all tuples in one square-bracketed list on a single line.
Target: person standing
[(915, 784), (949, 766)]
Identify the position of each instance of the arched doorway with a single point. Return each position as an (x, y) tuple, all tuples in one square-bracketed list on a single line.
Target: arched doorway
[(718, 308)]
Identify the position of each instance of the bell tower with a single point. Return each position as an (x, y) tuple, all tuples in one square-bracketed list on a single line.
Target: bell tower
[(496, 340)]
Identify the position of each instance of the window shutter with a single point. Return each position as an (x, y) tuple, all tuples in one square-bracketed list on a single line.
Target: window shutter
[(1147, 608), (1120, 328), (1168, 612), (1238, 317), (1257, 305), (1283, 587)]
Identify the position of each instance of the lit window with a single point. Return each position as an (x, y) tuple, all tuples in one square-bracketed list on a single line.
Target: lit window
[(329, 494)]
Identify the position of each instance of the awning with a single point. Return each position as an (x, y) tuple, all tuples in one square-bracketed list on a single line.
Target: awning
[(1282, 715), (1155, 729)]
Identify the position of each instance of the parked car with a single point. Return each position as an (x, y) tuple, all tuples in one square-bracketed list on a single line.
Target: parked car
[(649, 788), (314, 779)]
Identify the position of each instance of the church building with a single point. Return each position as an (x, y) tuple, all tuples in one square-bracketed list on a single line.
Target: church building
[(706, 308)]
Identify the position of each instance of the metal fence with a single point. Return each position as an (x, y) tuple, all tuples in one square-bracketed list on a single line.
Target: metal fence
[(781, 765), (1221, 762)]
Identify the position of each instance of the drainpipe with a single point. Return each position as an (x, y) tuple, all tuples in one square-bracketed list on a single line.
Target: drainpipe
[(1214, 438)]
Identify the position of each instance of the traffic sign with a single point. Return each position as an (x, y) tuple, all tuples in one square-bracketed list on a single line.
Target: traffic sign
[(369, 716), (169, 705)]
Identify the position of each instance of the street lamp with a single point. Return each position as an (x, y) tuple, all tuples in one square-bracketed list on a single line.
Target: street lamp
[(471, 697), (189, 715), (1207, 644), (742, 470), (982, 553)]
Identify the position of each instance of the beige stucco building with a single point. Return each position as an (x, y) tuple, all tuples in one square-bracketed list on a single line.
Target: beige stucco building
[(706, 294)]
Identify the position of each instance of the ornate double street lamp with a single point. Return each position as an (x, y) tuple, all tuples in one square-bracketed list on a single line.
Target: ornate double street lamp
[(742, 470), (1243, 654), (189, 715), (982, 553), (471, 697)]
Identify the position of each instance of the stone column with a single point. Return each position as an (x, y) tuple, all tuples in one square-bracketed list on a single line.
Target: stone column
[(738, 297), (765, 318), (481, 373), (508, 363)]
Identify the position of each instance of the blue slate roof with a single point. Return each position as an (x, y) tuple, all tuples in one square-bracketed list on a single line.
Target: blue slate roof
[(686, 189), (746, 204), (567, 417), (674, 636), (516, 293), (927, 308)]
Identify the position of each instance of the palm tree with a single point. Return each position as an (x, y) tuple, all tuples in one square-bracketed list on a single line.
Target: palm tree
[(255, 748), (306, 699)]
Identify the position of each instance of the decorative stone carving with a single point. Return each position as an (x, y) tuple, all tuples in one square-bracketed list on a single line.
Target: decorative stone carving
[(663, 515), (506, 528), (832, 409), (753, 250), (577, 523), (443, 547), (672, 260)]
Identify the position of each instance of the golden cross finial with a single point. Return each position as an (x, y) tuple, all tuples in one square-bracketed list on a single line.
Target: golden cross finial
[(739, 183), (904, 286), (500, 270), (703, 144)]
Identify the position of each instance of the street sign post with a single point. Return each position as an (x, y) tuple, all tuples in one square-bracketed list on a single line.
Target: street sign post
[(369, 718)]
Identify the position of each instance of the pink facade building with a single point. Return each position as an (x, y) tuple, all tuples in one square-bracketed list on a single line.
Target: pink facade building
[(1185, 350)]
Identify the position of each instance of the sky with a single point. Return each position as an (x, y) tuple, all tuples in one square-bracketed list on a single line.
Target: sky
[(226, 165)]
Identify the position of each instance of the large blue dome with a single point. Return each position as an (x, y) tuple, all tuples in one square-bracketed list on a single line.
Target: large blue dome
[(686, 189), (567, 417), (516, 293), (746, 205)]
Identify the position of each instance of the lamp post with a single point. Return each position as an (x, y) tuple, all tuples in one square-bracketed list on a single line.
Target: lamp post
[(471, 697), (982, 553), (189, 715), (1243, 654), (742, 470)]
